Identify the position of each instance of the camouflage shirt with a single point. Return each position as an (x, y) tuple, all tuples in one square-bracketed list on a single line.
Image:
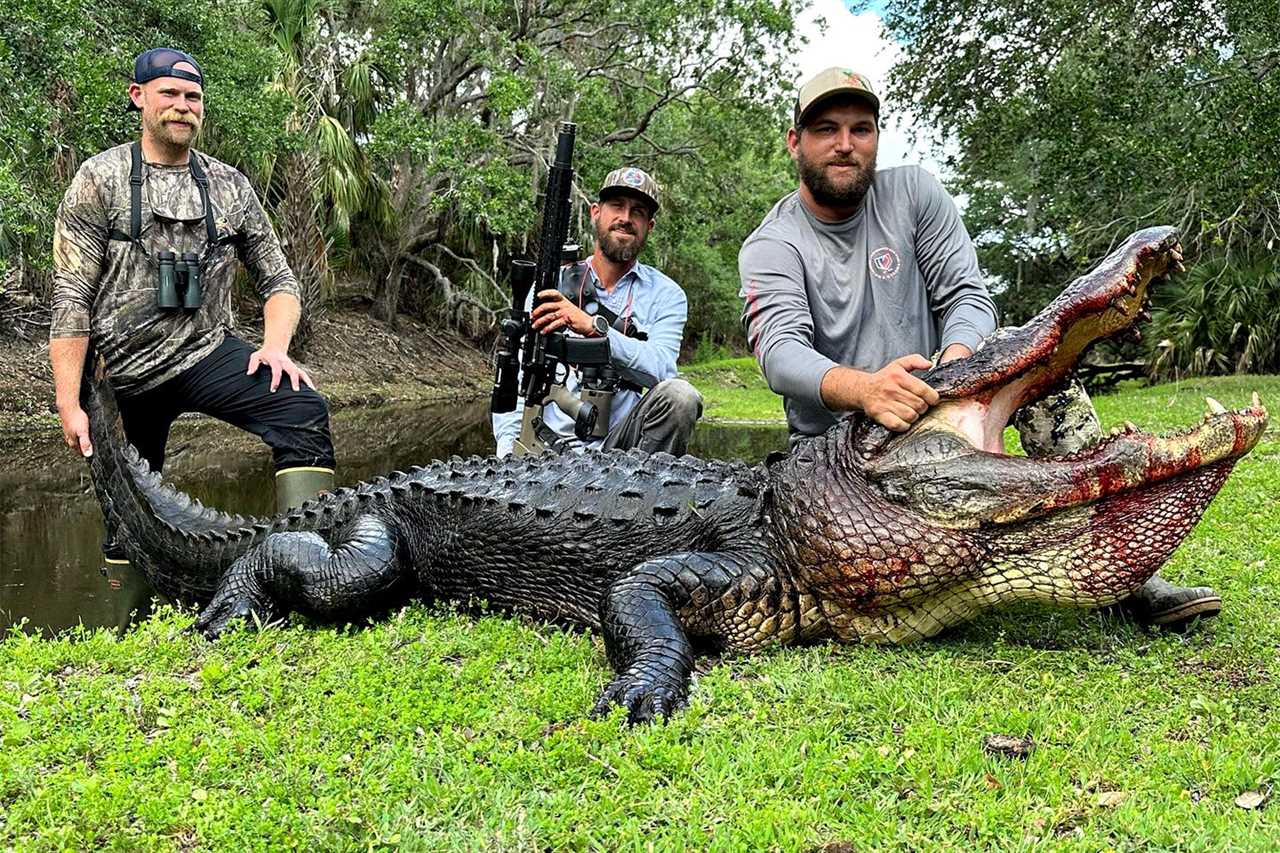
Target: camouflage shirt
[(106, 288)]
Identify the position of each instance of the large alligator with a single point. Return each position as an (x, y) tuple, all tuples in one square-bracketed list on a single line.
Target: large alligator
[(859, 534)]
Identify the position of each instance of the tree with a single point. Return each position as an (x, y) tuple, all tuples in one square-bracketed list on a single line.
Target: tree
[(321, 177), (1078, 123), (464, 134)]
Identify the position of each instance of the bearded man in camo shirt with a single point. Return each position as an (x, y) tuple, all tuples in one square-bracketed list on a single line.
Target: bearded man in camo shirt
[(130, 212)]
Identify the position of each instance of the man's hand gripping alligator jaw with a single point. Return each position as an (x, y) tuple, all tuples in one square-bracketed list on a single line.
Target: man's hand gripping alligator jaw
[(859, 534)]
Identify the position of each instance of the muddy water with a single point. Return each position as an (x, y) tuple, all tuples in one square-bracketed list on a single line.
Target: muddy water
[(51, 528)]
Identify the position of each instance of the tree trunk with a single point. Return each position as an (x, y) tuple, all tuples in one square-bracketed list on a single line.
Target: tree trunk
[(304, 244), (387, 298)]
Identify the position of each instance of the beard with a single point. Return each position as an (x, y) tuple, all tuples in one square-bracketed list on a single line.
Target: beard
[(618, 249), (845, 191), (173, 136)]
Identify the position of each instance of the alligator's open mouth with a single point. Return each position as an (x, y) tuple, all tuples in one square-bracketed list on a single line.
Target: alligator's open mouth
[(954, 456)]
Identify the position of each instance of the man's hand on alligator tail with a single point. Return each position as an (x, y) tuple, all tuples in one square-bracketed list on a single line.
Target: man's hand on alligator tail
[(859, 534)]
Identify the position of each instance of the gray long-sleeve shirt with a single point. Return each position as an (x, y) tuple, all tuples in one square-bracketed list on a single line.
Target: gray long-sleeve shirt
[(898, 277)]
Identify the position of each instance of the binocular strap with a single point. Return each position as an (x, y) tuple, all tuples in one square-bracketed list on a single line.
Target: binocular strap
[(135, 199)]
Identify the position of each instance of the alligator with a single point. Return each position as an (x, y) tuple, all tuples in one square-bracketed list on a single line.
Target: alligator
[(858, 534)]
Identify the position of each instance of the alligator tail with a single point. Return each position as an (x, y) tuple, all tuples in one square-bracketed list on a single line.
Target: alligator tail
[(181, 546)]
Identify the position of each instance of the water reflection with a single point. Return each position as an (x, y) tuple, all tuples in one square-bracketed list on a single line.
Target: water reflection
[(51, 529)]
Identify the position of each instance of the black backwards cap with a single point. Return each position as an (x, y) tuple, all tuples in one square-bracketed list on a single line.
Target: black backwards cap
[(159, 62)]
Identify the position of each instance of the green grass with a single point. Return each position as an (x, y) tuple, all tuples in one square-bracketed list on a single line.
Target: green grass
[(733, 390), (434, 730)]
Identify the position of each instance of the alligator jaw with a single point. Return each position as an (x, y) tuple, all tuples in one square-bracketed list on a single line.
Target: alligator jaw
[(944, 478), (1018, 366), (1131, 459), (951, 466)]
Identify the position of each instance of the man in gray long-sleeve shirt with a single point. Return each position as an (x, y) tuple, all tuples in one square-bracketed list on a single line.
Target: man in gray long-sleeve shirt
[(851, 280)]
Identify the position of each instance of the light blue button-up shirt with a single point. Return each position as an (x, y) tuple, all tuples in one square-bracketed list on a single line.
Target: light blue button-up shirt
[(658, 307)]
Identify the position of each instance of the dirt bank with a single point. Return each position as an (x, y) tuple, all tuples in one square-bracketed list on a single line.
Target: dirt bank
[(355, 361)]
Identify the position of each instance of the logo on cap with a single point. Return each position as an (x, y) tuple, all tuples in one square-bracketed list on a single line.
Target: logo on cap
[(633, 178), (885, 263)]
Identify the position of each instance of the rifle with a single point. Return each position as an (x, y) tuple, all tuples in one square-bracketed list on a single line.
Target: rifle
[(543, 355), (515, 332), (538, 375)]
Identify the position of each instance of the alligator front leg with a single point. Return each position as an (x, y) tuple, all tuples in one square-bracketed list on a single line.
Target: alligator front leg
[(651, 614), (300, 571)]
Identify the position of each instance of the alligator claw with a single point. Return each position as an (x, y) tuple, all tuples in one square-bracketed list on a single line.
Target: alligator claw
[(239, 598), (645, 699)]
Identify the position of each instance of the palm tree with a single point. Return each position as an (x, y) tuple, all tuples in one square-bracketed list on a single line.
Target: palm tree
[(323, 181)]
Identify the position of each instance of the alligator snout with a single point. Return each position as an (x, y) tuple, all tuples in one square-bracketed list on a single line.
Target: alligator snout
[(952, 464)]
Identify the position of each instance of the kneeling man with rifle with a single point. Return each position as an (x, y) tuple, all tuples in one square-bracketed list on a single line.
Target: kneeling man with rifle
[(599, 346)]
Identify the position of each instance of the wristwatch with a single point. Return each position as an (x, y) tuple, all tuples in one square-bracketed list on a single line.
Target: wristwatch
[(600, 326)]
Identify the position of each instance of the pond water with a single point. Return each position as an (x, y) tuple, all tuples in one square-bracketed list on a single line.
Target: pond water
[(51, 527)]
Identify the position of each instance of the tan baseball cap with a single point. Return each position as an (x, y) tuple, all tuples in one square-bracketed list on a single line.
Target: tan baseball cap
[(629, 179), (830, 82)]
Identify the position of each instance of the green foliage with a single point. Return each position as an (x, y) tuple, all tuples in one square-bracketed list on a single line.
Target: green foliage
[(407, 140), (1078, 123), (717, 194), (1220, 318), (438, 731)]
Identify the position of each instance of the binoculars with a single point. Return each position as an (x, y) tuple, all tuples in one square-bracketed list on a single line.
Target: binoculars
[(178, 284)]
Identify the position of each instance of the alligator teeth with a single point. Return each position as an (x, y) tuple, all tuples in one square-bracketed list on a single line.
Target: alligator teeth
[(1177, 265), (1257, 401), (1116, 431), (1176, 253), (1130, 426), (1214, 406)]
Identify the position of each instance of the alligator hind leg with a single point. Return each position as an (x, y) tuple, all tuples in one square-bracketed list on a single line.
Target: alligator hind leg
[(301, 571), (651, 614)]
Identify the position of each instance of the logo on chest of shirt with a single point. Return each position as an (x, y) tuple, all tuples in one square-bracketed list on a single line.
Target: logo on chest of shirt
[(885, 263)]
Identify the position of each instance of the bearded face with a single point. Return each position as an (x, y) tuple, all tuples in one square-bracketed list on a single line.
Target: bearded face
[(836, 179), (622, 226), (171, 127), (172, 111), (835, 154)]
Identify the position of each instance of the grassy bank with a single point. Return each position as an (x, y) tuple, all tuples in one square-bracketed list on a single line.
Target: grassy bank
[(435, 730)]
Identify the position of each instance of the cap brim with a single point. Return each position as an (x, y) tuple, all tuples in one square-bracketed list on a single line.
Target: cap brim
[(850, 91), (610, 192)]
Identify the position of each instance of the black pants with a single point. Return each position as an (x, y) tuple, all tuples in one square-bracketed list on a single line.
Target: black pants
[(294, 424)]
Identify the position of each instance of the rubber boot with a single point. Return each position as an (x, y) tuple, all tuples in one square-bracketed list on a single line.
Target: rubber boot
[(131, 595), (295, 486)]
